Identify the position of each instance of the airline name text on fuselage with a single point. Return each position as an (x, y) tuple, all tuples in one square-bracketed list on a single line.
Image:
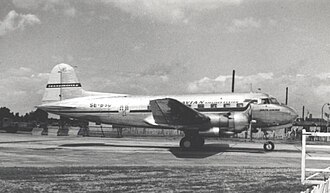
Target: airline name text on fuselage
[(207, 102), (269, 109)]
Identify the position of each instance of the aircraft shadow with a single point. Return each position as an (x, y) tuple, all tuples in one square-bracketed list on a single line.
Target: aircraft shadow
[(206, 151), (211, 149)]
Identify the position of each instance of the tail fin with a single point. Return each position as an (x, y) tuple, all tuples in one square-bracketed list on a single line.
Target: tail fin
[(62, 84)]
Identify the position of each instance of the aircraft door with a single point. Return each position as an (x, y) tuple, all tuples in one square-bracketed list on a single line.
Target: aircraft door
[(123, 110)]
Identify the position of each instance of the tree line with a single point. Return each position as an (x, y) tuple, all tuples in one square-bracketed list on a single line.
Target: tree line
[(33, 116)]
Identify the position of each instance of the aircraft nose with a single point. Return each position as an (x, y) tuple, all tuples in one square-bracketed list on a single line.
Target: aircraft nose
[(292, 113)]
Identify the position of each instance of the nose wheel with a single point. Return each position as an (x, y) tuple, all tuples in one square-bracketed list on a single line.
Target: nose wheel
[(269, 146)]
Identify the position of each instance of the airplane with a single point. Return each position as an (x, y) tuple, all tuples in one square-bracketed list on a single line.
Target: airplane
[(197, 115)]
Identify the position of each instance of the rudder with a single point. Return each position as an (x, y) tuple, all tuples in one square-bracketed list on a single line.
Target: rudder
[(62, 84)]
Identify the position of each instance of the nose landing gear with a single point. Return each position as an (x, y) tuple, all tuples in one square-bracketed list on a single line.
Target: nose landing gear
[(269, 146)]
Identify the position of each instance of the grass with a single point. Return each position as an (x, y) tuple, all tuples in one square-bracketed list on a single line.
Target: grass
[(149, 179)]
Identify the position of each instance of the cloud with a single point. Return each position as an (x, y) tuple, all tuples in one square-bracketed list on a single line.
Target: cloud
[(322, 90), (71, 11), (222, 83), (304, 89), (24, 4), (14, 21), (55, 6), (164, 79), (164, 69), (324, 76), (66, 58), (170, 11), (246, 24), (22, 88)]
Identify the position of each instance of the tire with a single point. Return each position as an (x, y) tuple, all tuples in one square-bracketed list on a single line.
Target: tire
[(269, 146), (186, 143)]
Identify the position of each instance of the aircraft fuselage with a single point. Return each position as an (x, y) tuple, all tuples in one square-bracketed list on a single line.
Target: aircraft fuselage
[(134, 110)]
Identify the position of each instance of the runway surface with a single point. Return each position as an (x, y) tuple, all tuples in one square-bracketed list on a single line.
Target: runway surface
[(84, 164)]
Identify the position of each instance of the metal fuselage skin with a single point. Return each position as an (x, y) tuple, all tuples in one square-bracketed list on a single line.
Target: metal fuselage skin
[(132, 111)]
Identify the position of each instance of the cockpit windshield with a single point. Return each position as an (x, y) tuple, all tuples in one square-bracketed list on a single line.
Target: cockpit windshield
[(265, 101), (269, 101), (274, 101)]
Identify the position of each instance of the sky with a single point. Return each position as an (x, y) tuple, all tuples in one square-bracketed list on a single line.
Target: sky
[(151, 47)]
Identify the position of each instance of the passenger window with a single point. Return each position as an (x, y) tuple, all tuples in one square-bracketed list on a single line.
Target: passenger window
[(239, 104), (213, 106), (226, 105), (200, 106)]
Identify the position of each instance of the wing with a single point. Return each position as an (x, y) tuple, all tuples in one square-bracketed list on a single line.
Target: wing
[(172, 112)]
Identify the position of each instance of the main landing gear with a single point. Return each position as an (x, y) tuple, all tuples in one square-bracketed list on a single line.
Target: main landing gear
[(192, 141)]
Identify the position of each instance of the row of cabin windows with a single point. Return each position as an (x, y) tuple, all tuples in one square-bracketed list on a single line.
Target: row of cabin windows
[(213, 106)]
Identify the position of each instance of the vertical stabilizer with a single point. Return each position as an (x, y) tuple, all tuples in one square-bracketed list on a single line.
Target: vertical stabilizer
[(62, 84)]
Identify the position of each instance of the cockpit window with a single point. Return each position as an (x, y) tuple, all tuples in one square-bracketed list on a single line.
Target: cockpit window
[(265, 101), (251, 100), (274, 101), (269, 101)]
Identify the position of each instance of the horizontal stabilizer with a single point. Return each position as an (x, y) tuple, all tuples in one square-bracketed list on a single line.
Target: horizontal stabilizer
[(172, 112), (54, 108)]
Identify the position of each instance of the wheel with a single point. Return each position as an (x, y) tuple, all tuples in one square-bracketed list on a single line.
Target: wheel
[(192, 141), (198, 141), (186, 142), (269, 146)]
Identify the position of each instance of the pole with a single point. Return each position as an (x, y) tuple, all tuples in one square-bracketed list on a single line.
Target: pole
[(60, 84), (286, 95), (303, 113), (303, 156), (233, 82), (250, 129)]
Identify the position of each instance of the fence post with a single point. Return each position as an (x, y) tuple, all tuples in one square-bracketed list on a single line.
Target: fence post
[(303, 156)]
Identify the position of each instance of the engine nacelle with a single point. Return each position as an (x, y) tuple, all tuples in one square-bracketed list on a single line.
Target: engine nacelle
[(215, 132), (226, 125)]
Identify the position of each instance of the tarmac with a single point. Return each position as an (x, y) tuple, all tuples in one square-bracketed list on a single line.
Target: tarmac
[(31, 151)]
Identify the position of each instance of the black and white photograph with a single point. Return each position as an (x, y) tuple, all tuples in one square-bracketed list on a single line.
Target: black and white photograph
[(229, 96)]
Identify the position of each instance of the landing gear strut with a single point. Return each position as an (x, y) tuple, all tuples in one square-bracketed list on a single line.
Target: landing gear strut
[(192, 141)]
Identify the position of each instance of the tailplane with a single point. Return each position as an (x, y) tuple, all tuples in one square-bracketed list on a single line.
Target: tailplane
[(63, 84)]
